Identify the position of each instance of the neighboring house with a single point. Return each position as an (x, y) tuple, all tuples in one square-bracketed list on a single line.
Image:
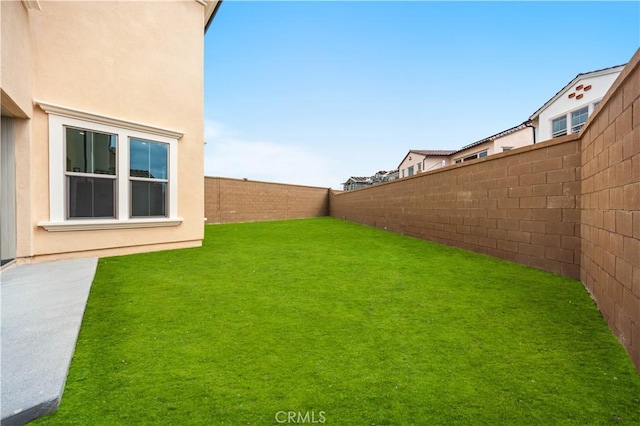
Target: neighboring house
[(419, 160), (384, 176), (357, 182), (102, 127), (515, 137), (568, 110), (564, 113)]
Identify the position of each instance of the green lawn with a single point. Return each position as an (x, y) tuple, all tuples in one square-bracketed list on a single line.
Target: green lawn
[(346, 324)]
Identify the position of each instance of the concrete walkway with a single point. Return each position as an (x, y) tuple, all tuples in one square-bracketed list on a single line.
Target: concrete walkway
[(42, 308)]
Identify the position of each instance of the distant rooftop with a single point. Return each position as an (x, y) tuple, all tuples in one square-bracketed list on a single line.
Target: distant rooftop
[(433, 152), (496, 136)]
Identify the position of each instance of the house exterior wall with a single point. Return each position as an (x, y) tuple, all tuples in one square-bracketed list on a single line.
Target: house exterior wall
[(16, 81), (421, 163), (487, 146), (238, 200), (563, 105), (140, 62), (517, 139), (17, 61), (416, 159), (610, 228), (433, 163)]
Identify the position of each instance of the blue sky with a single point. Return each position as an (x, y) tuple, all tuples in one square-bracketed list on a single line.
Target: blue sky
[(314, 92)]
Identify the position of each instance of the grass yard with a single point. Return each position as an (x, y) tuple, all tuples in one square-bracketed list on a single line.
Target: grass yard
[(344, 324)]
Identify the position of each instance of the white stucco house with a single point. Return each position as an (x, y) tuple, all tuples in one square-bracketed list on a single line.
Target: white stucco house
[(568, 110)]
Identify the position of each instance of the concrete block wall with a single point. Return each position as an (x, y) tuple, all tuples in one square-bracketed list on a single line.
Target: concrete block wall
[(520, 206), (238, 200), (570, 206), (610, 226)]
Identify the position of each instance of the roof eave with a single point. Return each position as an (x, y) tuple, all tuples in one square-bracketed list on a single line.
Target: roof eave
[(496, 136), (597, 73), (210, 11)]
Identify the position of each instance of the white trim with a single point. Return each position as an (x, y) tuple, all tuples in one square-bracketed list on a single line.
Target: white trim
[(173, 180), (108, 121), (57, 195), (100, 224)]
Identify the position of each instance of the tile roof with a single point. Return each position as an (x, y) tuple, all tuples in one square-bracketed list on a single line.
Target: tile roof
[(496, 136), (433, 152), (360, 179)]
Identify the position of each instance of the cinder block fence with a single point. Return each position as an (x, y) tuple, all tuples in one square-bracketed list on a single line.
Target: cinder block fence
[(241, 200), (569, 205)]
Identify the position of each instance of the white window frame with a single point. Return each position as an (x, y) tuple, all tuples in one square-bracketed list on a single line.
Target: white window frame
[(480, 154), (61, 117), (577, 127)]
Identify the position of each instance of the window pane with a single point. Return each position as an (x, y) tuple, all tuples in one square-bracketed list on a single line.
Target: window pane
[(78, 155), (148, 159), (482, 154), (104, 154), (90, 152), (471, 157), (559, 126), (148, 198), (90, 197), (158, 160), (578, 118), (139, 158)]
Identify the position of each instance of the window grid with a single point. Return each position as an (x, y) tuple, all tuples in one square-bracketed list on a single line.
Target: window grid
[(559, 126), (578, 118)]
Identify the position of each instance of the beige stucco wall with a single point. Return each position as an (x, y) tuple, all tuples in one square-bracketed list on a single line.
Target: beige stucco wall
[(140, 61), (412, 159), (16, 80), (517, 139), (427, 163), (488, 146), (17, 61)]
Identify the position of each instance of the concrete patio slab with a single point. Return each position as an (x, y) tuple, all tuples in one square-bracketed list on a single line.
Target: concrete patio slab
[(42, 308)]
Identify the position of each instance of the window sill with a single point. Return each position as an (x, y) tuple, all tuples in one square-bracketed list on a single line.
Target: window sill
[(100, 224)]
